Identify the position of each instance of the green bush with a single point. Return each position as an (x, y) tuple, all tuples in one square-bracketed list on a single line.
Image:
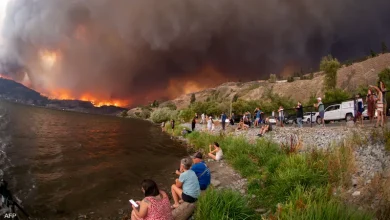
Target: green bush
[(318, 204), (169, 105), (163, 114), (290, 79), (222, 205), (336, 96), (330, 66), (145, 113), (124, 114), (187, 114), (272, 78), (193, 99)]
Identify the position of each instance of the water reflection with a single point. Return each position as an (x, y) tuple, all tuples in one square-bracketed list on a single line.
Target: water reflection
[(84, 163)]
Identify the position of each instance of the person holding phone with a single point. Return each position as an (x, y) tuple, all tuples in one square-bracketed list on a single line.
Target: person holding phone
[(155, 205)]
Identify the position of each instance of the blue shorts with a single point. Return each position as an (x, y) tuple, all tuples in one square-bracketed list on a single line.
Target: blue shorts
[(322, 114)]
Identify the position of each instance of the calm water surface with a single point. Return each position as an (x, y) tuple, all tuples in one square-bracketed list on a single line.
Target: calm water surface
[(62, 164)]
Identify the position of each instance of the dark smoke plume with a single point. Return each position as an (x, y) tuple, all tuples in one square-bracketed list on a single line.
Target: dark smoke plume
[(132, 48)]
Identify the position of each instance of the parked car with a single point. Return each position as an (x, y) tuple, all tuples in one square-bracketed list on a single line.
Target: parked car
[(290, 119), (272, 120), (310, 116), (338, 112), (365, 113)]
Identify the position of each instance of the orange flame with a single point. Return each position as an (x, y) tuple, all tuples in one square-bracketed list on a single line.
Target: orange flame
[(63, 94)]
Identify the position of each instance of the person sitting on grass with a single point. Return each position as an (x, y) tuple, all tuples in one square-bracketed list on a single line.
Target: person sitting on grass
[(217, 150), (187, 186), (155, 205), (266, 128)]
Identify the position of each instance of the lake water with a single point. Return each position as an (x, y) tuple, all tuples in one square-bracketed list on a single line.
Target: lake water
[(63, 164)]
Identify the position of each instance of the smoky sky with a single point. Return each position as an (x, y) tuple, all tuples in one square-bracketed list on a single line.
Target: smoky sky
[(130, 48)]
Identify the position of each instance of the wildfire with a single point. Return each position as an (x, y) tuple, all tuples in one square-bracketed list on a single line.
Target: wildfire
[(49, 58)]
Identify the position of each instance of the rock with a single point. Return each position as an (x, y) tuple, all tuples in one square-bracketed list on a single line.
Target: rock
[(354, 182), (215, 183), (242, 191), (356, 193), (184, 211), (82, 216)]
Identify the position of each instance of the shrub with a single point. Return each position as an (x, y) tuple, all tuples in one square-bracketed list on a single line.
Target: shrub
[(384, 47), (163, 114), (336, 96), (386, 135), (330, 66), (145, 114), (318, 204), (372, 53), (222, 205), (193, 99), (124, 114), (272, 78), (290, 79), (169, 105), (186, 114)]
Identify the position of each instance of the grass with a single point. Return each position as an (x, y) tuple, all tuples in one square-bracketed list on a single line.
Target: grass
[(318, 204), (290, 185), (223, 204)]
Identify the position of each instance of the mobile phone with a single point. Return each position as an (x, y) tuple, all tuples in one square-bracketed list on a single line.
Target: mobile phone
[(133, 203)]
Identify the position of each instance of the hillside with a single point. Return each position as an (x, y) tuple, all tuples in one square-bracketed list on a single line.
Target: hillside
[(348, 78)]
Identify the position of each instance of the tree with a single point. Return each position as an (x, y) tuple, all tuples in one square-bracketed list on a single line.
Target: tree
[(330, 66), (373, 54), (384, 47), (235, 97), (193, 99), (336, 96), (272, 78), (124, 114), (169, 105), (311, 76), (154, 104), (186, 114)]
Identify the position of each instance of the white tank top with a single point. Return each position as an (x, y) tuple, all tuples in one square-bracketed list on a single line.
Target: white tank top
[(219, 154)]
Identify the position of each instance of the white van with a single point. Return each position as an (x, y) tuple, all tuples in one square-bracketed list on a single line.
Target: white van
[(338, 112)]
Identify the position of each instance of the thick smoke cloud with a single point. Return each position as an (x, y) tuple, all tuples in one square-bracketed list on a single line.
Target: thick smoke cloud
[(133, 48)]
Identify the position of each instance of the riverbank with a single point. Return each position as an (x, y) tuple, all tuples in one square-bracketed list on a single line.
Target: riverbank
[(292, 166)]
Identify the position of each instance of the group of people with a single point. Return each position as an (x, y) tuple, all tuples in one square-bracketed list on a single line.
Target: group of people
[(376, 101), (194, 177)]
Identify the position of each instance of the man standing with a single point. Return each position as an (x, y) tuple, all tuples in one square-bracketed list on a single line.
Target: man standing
[(281, 115), (223, 118), (193, 123), (299, 114), (359, 109), (321, 109)]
